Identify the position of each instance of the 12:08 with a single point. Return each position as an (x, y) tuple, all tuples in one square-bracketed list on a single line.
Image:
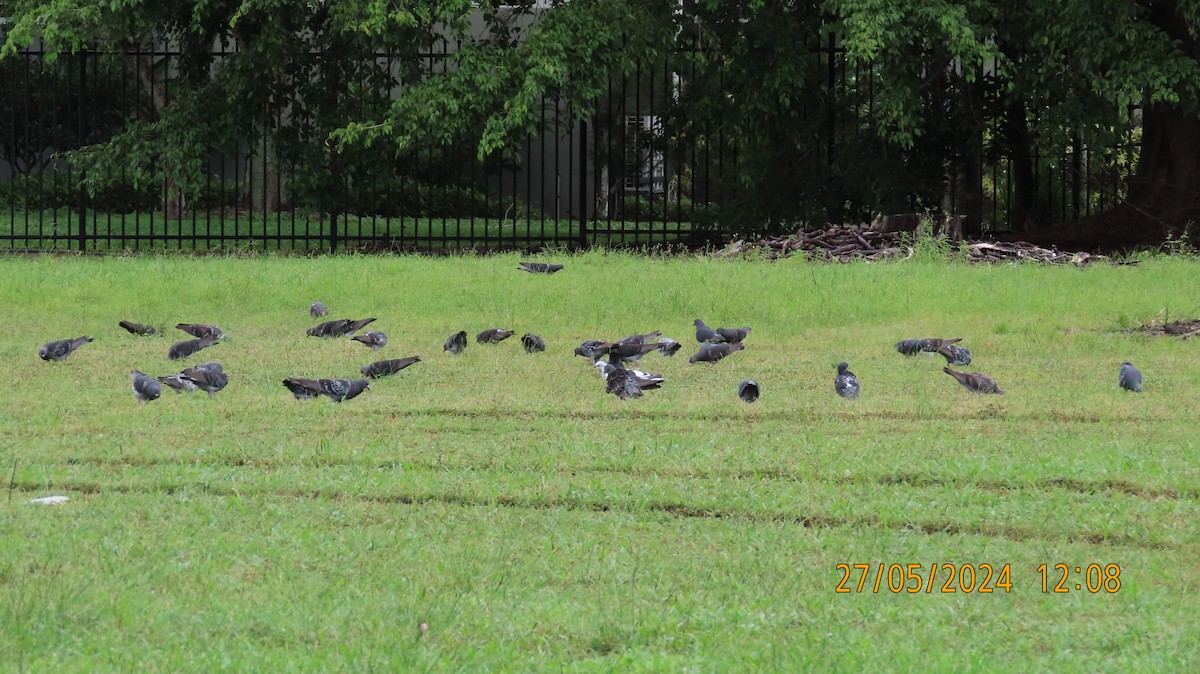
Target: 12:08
[(1095, 578)]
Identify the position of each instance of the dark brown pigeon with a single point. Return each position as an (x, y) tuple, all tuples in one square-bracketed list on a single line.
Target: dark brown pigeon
[(200, 330), (539, 267), (208, 377), (493, 335), (354, 326), (733, 335), (975, 382), (705, 334), (456, 343), (329, 329), (145, 388), (639, 339), (384, 368), (532, 343), (61, 348), (911, 347), (187, 348), (375, 340), (711, 353), (955, 355), (629, 352), (594, 349), (318, 309), (622, 383), (138, 328)]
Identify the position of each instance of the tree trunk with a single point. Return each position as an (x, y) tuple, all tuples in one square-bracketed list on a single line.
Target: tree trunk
[(156, 86), (1022, 208), (1166, 187)]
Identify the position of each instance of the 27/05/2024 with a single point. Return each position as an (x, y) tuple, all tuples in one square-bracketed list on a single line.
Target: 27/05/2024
[(984, 578)]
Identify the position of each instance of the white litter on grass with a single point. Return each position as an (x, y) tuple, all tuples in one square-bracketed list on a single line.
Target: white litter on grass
[(51, 500)]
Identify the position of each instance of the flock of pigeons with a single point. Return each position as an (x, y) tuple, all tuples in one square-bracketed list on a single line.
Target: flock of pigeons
[(620, 380)]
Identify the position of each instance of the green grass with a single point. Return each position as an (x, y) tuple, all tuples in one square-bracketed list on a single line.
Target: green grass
[(534, 523), (58, 229)]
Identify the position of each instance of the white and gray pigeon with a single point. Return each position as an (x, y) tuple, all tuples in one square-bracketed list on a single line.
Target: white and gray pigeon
[(138, 329), (532, 343), (711, 353), (456, 343), (1130, 378), (539, 267), (845, 383), (188, 348), (911, 347), (59, 349), (374, 339), (705, 334), (384, 368), (668, 347), (955, 355), (336, 390), (975, 382), (494, 335), (202, 330), (644, 380), (749, 391), (145, 388), (318, 309)]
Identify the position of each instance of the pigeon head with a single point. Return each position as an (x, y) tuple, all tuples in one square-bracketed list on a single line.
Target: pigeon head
[(842, 367)]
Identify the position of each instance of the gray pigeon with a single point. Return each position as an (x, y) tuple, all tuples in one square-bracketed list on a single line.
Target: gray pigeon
[(61, 348), (955, 355), (384, 368), (705, 334), (201, 330), (733, 335), (318, 309), (145, 388), (373, 339), (594, 349), (622, 383), (845, 383), (644, 380), (208, 377), (911, 347), (493, 335), (1130, 378), (668, 347), (539, 267), (711, 353), (187, 348), (975, 382), (456, 343), (532, 343), (748, 390), (336, 390), (138, 329)]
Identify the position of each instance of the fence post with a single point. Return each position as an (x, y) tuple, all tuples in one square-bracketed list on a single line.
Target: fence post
[(583, 234), (335, 194), (82, 126)]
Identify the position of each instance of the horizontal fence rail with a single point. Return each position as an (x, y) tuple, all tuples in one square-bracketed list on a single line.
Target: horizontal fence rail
[(643, 168)]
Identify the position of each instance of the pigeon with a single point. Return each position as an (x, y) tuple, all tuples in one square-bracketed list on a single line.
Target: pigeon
[(318, 309), (845, 383), (208, 377), (644, 380), (630, 352), (713, 352), (668, 347), (539, 267), (178, 383), (911, 347), (328, 329), (955, 355), (1130, 377), (200, 330), (733, 335), (336, 389), (138, 328), (354, 326), (706, 334), (532, 343), (185, 382), (383, 368), (639, 339), (493, 335), (622, 383), (456, 343), (187, 348), (145, 388), (593, 348), (975, 382), (748, 390), (61, 348), (373, 339)]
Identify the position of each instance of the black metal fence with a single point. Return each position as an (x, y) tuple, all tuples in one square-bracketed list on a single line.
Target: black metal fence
[(644, 168)]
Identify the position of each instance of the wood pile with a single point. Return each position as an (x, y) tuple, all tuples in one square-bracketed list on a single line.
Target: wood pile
[(847, 243)]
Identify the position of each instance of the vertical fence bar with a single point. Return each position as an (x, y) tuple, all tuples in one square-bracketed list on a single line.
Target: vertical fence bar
[(82, 112), (583, 184)]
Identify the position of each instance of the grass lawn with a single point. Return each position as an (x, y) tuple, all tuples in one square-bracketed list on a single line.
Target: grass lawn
[(232, 230), (497, 511)]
